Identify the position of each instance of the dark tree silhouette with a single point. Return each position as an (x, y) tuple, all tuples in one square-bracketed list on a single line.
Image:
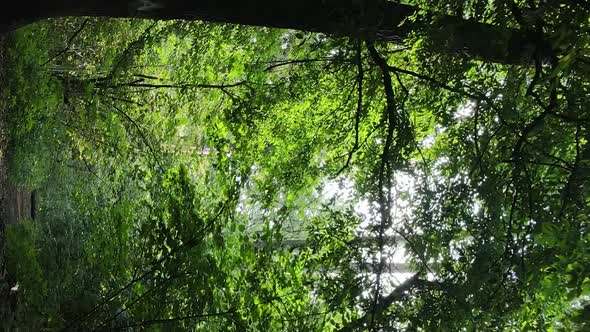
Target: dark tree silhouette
[(363, 19)]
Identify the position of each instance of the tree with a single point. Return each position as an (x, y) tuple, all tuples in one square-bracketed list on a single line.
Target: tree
[(375, 20), (479, 169)]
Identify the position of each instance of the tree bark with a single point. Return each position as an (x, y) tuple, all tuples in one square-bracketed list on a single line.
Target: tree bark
[(362, 19)]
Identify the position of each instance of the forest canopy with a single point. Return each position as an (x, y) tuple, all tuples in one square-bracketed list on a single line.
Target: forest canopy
[(191, 175)]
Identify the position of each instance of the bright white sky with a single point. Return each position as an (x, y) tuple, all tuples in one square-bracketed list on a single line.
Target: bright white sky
[(342, 190)]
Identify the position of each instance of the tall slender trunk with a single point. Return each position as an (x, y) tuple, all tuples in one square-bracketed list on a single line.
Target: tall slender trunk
[(364, 19)]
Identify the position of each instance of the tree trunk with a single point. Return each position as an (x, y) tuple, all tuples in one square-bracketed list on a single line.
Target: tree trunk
[(364, 19)]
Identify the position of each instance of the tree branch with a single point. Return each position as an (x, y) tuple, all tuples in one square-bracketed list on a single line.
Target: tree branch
[(142, 84), (151, 322), (137, 300), (299, 61), (359, 106), (68, 44), (440, 84), (129, 48), (385, 172), (398, 294), (194, 241), (141, 134), (361, 20)]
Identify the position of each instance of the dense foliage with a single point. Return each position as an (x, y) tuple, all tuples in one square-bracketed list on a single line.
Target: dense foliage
[(198, 176)]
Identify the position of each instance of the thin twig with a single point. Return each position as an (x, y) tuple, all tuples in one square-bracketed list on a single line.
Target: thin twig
[(129, 48), (68, 44), (185, 246), (141, 134), (441, 84), (359, 106), (150, 322), (299, 61)]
